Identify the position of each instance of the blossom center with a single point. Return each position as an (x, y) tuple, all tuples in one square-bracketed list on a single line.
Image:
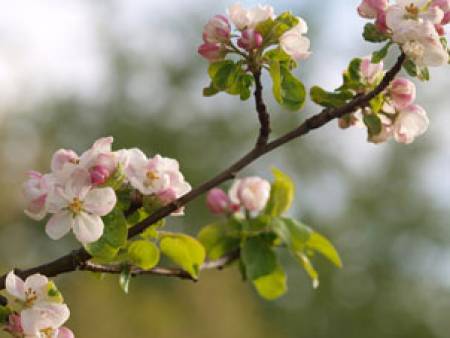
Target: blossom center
[(76, 206), (412, 10), (152, 175), (48, 332), (30, 296)]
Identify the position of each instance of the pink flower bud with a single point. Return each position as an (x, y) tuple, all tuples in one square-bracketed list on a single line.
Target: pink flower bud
[(62, 157), (252, 193), (440, 30), (211, 51), (380, 22), (35, 191), (371, 71), (250, 40), (217, 30), (402, 92), (99, 174), (446, 18), (370, 9), (217, 201), (14, 325)]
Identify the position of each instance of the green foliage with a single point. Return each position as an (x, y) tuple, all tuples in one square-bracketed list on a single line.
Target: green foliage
[(292, 232), (322, 245), (421, 73), (281, 194), (113, 239), (4, 314), (305, 262), (125, 278), (373, 123), (230, 77), (273, 29), (143, 254), (372, 34), (185, 251), (329, 99), (288, 91), (379, 55), (53, 293), (217, 240), (258, 257), (272, 286)]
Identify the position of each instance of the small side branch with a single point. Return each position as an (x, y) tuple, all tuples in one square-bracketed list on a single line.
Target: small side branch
[(261, 109)]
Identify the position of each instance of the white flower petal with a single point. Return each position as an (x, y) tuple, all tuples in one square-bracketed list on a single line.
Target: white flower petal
[(100, 201), (43, 316), (59, 225), (15, 286), (88, 228)]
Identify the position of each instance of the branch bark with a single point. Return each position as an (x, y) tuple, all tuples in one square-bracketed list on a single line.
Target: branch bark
[(261, 109), (77, 259)]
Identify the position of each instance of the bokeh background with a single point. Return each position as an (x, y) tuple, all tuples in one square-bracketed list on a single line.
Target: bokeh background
[(75, 70)]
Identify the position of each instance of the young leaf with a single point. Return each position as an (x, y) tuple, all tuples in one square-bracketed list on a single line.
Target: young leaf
[(185, 251), (272, 286), (292, 89), (354, 70), (124, 279), (275, 73), (309, 268), (373, 123), (114, 236), (329, 99), (259, 258), (4, 314), (322, 245), (372, 34), (216, 241), (224, 74), (143, 254), (379, 55), (292, 232), (281, 194)]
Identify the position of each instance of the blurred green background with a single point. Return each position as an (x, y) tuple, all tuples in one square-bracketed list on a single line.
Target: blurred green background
[(73, 71)]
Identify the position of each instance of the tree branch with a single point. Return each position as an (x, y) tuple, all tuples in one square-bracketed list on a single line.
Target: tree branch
[(77, 259), (161, 271), (261, 109)]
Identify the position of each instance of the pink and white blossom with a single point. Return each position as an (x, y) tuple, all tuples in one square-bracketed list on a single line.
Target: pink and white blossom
[(244, 18), (371, 72), (35, 191), (294, 43), (410, 123), (44, 320), (31, 291), (251, 192), (219, 203), (159, 176), (78, 206), (212, 51), (217, 30), (402, 92)]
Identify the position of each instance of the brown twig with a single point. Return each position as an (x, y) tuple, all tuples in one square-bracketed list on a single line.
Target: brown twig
[(77, 259), (261, 109)]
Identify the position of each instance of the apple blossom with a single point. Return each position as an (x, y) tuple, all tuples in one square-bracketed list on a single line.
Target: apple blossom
[(219, 203), (43, 320), (413, 27), (158, 176), (249, 18), (31, 291), (217, 30), (78, 206), (402, 92), (294, 43), (35, 191), (410, 123), (371, 72), (250, 39), (14, 325), (212, 51), (371, 9), (251, 192)]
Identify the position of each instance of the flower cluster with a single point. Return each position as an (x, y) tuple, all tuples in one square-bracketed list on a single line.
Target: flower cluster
[(394, 113), (250, 193), (40, 312), (252, 35), (80, 190), (416, 25)]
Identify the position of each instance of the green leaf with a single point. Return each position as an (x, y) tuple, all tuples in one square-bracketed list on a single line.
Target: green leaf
[(354, 69), (124, 279), (53, 293), (373, 123), (410, 67), (379, 55), (295, 234), (377, 103), (143, 254), (265, 27), (4, 314), (223, 73), (281, 194), (272, 286), (372, 34), (275, 73), (329, 99), (259, 258), (210, 91), (322, 245), (217, 242), (292, 90), (284, 22), (185, 251), (114, 237)]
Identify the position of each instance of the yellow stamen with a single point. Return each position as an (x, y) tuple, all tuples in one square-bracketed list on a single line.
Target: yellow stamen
[(30, 296), (152, 175), (76, 206)]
